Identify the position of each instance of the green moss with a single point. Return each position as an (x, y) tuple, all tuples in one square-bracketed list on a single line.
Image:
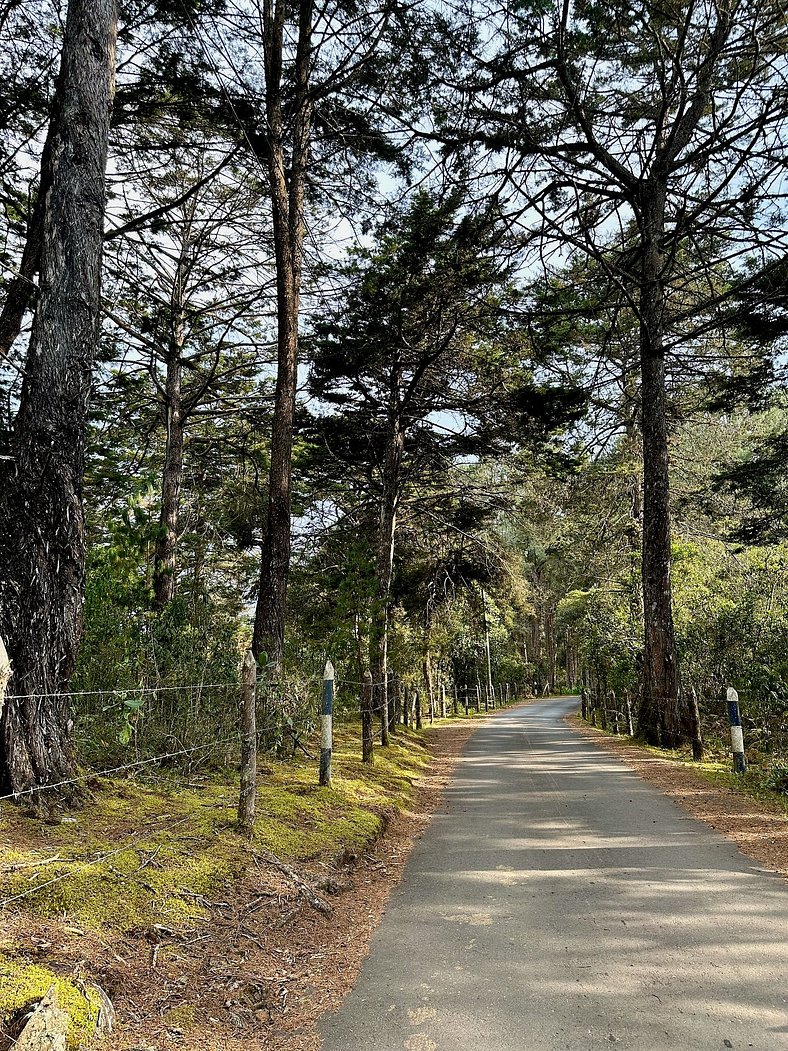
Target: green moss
[(23, 983), (142, 853), (182, 1016), (178, 847)]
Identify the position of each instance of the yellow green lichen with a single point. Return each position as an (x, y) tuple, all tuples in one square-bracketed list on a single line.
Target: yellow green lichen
[(22, 984)]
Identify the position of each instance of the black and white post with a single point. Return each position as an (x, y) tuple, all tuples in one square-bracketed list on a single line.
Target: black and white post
[(737, 734), (326, 725)]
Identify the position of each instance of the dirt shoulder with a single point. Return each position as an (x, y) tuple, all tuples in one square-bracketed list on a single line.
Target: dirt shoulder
[(759, 828), (266, 964)]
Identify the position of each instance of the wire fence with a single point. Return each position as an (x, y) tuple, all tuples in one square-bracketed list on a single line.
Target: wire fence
[(764, 719), (167, 722)]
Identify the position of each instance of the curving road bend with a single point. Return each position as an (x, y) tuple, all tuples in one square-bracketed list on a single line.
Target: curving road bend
[(557, 901)]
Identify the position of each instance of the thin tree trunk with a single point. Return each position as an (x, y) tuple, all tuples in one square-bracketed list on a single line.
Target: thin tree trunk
[(21, 289), (367, 741), (659, 716), (165, 562), (429, 685), (165, 554), (384, 562), (42, 527), (488, 658), (287, 183)]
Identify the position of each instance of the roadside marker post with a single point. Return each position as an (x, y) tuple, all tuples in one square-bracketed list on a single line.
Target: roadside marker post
[(737, 734), (326, 725)]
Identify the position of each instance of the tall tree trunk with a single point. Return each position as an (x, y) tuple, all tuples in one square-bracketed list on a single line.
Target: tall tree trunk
[(165, 565), (632, 433), (21, 289), (384, 561), (659, 717), (487, 654), (165, 558), (287, 181), (42, 527)]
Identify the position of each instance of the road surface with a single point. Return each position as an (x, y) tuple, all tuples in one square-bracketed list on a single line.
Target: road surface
[(558, 901)]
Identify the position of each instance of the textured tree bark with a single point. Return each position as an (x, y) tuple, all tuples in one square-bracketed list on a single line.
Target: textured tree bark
[(659, 719), (165, 567), (42, 529), (20, 292), (367, 742), (287, 182), (165, 558), (384, 560)]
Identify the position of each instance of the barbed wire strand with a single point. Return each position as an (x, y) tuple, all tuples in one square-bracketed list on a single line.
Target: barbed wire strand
[(117, 769), (127, 845), (118, 691)]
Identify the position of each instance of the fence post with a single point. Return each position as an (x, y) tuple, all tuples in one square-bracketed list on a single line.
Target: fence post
[(5, 674), (417, 704), (697, 736), (326, 725), (614, 700), (367, 719), (395, 702), (737, 734), (248, 794)]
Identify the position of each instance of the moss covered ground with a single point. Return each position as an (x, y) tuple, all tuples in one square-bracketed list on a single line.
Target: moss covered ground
[(145, 851)]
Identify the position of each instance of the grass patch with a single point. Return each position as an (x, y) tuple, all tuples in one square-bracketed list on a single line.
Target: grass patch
[(139, 853)]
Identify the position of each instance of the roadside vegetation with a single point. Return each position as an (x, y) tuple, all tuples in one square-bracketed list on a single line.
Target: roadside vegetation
[(443, 344)]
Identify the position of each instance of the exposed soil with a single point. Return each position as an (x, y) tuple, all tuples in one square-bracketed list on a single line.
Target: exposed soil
[(265, 964), (758, 829)]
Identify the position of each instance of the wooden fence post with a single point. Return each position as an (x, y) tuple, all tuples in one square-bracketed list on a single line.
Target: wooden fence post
[(326, 725), (248, 794), (697, 736), (5, 674), (395, 704), (367, 719)]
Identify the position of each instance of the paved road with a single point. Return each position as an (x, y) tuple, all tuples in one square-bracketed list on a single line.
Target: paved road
[(557, 901)]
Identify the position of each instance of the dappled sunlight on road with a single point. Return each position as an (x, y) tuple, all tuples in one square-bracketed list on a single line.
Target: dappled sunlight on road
[(559, 896)]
